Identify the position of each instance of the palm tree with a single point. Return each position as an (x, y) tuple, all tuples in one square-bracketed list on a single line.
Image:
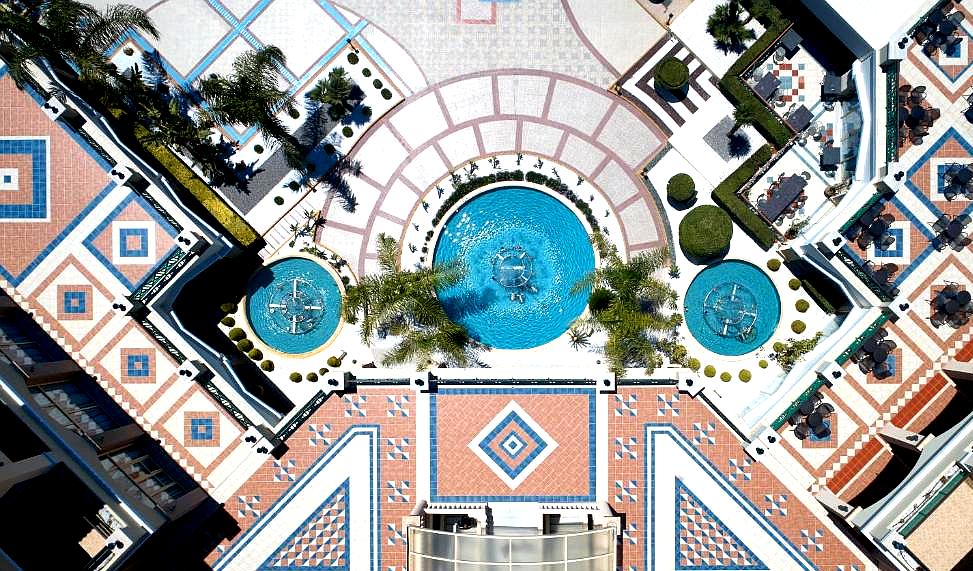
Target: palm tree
[(629, 302), (333, 91), (579, 335), (745, 114), (726, 27), (63, 31), (250, 96), (404, 303)]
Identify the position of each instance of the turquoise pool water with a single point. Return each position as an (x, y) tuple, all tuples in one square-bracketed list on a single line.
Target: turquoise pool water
[(732, 307), (520, 243), (293, 305)]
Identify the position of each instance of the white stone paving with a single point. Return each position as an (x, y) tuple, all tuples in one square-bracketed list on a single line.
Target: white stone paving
[(468, 99), (578, 107)]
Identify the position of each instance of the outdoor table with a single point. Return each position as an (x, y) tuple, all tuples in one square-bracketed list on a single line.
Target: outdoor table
[(881, 354), (951, 307), (870, 345), (800, 118), (815, 419), (962, 176), (821, 430), (954, 229), (791, 41), (807, 407), (830, 157), (766, 86), (790, 188), (918, 112), (877, 228)]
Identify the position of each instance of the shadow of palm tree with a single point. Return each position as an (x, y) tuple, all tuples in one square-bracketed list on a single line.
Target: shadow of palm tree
[(738, 145), (469, 303)]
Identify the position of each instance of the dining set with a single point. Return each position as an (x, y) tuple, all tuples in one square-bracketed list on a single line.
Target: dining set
[(951, 232), (872, 227), (951, 305), (882, 273), (938, 32), (784, 197), (958, 181), (872, 357), (916, 117), (811, 418)]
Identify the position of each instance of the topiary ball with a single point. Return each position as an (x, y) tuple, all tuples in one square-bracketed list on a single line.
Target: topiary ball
[(778, 346), (762, 363), (745, 376), (366, 72), (725, 377), (773, 264), (672, 74), (802, 305), (386, 94), (705, 232), (228, 308), (352, 58), (709, 371), (258, 149), (236, 334), (228, 321), (244, 345), (312, 377), (794, 284), (333, 361), (295, 377), (681, 188), (347, 132), (267, 365), (798, 326), (278, 200), (255, 354), (693, 364), (377, 83)]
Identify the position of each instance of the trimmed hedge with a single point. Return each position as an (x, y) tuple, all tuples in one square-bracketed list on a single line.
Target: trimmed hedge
[(705, 232), (802, 305), (773, 264), (725, 196), (681, 188), (236, 226), (823, 302), (798, 326), (672, 74), (347, 132)]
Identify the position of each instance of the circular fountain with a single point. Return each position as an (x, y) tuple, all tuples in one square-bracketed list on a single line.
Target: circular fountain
[(512, 269)]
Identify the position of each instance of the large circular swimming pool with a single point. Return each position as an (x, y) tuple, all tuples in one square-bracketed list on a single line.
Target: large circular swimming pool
[(523, 250), (294, 305), (732, 307)]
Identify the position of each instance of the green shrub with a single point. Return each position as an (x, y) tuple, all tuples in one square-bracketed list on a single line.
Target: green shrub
[(312, 377), (710, 371), (267, 365), (705, 232), (244, 345), (347, 132), (802, 305), (323, 371), (228, 321), (671, 74), (278, 200), (294, 113), (773, 264), (725, 377), (778, 346), (823, 302), (229, 308), (725, 196), (258, 149), (798, 326), (762, 363), (600, 299), (366, 72), (794, 284), (236, 334), (255, 354), (681, 188), (377, 83), (693, 364), (352, 58), (745, 376), (334, 361), (295, 377), (386, 94)]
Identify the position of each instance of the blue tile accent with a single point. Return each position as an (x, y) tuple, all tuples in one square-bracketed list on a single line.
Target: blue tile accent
[(825, 438), (434, 446), (124, 239), (75, 302), (7, 179), (700, 527), (652, 431), (36, 149), (201, 428), (137, 366), (15, 280), (952, 53), (370, 431), (893, 251), (523, 432), (512, 445), (318, 537)]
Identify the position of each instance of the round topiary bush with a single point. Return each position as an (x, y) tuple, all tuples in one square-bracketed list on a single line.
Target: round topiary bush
[(295, 377), (258, 149), (386, 94), (353, 58), (705, 232), (278, 200), (798, 326), (244, 345), (773, 264), (334, 361), (312, 377), (725, 377), (255, 354), (745, 376), (323, 371), (329, 149), (293, 185), (681, 188), (710, 371), (377, 83), (347, 132), (693, 364), (267, 365), (366, 72), (294, 113), (778, 346), (762, 363), (802, 305), (228, 308), (672, 74), (236, 334), (794, 284), (228, 321)]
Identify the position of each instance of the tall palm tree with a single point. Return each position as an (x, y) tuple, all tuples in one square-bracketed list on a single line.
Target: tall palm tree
[(63, 31), (333, 91), (250, 96), (630, 303), (726, 27), (403, 303)]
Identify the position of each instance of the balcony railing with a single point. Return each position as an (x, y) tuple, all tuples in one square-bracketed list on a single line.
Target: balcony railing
[(298, 419), (161, 275)]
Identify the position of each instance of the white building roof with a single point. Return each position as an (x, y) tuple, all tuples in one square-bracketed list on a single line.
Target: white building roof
[(878, 21)]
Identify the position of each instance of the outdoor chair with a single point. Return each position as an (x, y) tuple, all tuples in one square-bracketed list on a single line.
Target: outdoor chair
[(934, 113), (930, 48), (866, 365), (882, 371), (940, 243), (915, 140), (857, 356), (795, 419), (964, 219), (941, 223), (825, 409), (887, 218), (920, 36), (937, 319), (887, 241), (956, 17), (905, 88), (801, 431), (880, 334), (889, 344), (960, 243), (865, 240)]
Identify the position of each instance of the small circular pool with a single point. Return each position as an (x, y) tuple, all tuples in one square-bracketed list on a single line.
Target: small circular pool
[(294, 305), (524, 250), (732, 307)]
